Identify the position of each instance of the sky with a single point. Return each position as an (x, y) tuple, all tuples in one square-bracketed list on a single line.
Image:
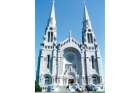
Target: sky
[(69, 17)]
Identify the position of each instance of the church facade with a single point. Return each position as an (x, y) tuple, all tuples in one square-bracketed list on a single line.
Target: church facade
[(69, 59)]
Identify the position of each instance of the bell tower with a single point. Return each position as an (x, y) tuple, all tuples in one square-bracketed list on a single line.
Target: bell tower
[(90, 49), (47, 57)]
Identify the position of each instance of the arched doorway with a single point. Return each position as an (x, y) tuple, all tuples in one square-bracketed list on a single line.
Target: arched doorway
[(48, 79), (72, 64), (96, 79), (71, 77)]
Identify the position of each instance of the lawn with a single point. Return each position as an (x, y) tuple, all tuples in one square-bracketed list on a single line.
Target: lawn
[(98, 92)]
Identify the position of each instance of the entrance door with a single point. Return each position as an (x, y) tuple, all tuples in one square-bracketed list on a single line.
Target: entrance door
[(71, 81), (48, 79), (96, 79), (71, 77)]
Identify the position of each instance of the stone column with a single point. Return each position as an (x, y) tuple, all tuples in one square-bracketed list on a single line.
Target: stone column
[(54, 72), (83, 67)]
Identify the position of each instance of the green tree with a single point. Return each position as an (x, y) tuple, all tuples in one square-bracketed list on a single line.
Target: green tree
[(37, 87)]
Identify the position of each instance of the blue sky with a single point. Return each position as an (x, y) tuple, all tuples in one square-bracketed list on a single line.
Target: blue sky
[(69, 17)]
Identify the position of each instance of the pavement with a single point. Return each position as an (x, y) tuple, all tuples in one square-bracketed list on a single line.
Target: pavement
[(63, 90)]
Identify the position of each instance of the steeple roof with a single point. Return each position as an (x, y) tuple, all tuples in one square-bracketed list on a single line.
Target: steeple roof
[(52, 15), (86, 16)]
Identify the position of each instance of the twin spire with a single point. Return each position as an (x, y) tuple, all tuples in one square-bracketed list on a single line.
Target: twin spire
[(52, 15), (53, 19)]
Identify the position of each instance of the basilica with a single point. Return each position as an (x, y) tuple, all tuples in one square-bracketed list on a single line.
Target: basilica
[(59, 62)]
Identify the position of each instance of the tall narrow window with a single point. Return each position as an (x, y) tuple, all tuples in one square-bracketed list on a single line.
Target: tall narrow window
[(88, 38), (51, 36), (91, 38), (48, 65), (48, 36), (92, 59)]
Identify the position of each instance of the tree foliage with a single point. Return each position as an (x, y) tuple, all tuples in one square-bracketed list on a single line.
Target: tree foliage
[(37, 87)]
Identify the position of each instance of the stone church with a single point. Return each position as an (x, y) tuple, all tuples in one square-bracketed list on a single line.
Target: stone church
[(70, 59)]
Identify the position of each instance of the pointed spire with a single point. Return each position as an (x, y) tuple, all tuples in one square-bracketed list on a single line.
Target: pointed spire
[(51, 26), (86, 15), (52, 16), (53, 10), (88, 32)]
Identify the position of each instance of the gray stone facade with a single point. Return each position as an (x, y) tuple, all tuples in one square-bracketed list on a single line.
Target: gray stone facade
[(69, 59)]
